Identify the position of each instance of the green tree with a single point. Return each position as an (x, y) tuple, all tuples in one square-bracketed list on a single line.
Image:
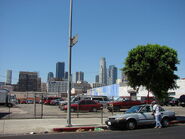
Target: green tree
[(153, 67)]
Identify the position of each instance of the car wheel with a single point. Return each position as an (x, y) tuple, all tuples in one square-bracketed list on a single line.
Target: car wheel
[(131, 124), (116, 108), (72, 110), (165, 122), (9, 105), (94, 109)]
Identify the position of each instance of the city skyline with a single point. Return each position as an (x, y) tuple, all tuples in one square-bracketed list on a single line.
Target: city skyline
[(34, 40)]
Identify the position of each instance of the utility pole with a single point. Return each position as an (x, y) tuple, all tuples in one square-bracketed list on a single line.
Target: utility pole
[(72, 42)]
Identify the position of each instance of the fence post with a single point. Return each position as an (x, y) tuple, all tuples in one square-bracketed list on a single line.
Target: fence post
[(35, 105), (102, 115), (9, 112), (41, 105), (78, 111)]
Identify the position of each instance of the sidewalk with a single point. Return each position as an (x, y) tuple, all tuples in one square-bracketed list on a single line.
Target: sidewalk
[(25, 126)]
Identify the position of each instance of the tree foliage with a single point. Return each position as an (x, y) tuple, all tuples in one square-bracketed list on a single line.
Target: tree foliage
[(152, 66)]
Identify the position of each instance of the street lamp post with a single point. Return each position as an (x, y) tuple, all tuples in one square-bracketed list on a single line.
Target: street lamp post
[(72, 42), (69, 66)]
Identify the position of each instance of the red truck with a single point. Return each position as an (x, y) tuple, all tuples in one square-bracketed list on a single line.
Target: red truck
[(122, 103)]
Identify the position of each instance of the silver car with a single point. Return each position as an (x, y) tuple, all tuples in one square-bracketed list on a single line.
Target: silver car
[(138, 116)]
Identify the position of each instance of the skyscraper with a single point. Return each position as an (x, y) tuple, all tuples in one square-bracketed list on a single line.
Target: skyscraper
[(103, 72), (79, 76), (123, 77), (50, 76), (97, 79), (8, 76), (66, 75), (60, 69), (112, 74)]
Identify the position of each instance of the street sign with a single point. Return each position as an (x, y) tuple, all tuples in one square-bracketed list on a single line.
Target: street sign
[(74, 40)]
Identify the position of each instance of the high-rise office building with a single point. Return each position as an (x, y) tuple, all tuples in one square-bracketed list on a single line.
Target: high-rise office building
[(8, 76), (50, 76), (29, 81), (123, 77), (103, 72), (60, 69), (112, 74), (79, 76), (97, 79), (66, 75)]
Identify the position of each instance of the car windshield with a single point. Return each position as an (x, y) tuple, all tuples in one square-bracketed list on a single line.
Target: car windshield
[(134, 109), (122, 99)]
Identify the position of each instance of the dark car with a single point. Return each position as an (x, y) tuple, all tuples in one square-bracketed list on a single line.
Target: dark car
[(182, 100), (85, 105), (174, 102), (166, 101)]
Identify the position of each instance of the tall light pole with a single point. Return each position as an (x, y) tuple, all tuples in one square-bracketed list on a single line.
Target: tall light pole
[(72, 42)]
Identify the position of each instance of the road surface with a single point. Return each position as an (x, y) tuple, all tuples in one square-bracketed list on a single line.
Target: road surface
[(151, 133)]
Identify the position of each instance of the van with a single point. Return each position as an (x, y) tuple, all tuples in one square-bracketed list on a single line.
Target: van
[(101, 99)]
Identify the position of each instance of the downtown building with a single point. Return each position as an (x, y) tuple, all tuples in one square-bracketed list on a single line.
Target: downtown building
[(9, 77), (112, 74), (102, 72), (60, 70), (50, 76), (29, 81), (59, 88), (79, 77)]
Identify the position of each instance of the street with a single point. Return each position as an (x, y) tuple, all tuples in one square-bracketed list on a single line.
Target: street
[(164, 133)]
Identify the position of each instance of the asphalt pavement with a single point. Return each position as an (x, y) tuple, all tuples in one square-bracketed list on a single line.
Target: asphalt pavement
[(172, 132)]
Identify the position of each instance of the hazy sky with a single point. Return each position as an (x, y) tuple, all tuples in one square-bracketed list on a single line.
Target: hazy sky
[(34, 33)]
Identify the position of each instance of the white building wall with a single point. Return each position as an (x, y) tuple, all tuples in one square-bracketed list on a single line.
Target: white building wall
[(125, 90), (179, 91)]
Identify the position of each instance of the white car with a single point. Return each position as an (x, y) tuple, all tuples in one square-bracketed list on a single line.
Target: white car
[(137, 116)]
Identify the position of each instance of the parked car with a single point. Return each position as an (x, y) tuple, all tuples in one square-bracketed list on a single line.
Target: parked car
[(101, 99), (166, 101), (122, 103), (63, 103), (147, 100), (29, 101), (138, 116), (47, 100), (22, 101), (85, 105), (174, 102), (182, 100), (56, 101)]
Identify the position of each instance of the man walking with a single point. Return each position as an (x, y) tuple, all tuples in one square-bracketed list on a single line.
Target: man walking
[(157, 114)]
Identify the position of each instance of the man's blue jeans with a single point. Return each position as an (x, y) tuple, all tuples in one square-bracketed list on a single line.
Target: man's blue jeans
[(157, 120)]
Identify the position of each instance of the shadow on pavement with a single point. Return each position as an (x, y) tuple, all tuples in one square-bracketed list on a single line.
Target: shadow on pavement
[(3, 114), (180, 118)]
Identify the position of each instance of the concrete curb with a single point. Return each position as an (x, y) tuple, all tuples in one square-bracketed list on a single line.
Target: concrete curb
[(177, 122), (81, 128), (92, 128)]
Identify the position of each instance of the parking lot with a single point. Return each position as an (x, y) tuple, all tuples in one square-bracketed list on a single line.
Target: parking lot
[(30, 111)]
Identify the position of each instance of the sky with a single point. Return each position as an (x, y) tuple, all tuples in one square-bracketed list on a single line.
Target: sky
[(34, 33)]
